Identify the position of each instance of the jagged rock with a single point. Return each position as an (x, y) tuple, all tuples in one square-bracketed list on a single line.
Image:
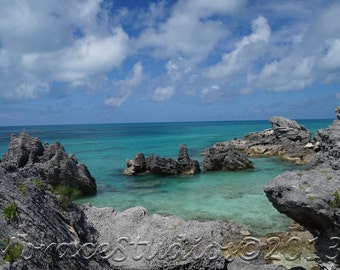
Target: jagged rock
[(187, 165), (49, 162), (226, 159), (23, 150), (155, 164), (41, 226), (309, 196), (286, 139), (329, 139), (156, 242)]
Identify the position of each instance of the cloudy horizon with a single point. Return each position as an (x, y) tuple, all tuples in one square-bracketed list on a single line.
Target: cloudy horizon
[(101, 61)]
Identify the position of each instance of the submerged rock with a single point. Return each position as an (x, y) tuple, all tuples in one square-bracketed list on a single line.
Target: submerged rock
[(155, 164), (225, 159), (312, 197), (50, 163), (286, 139)]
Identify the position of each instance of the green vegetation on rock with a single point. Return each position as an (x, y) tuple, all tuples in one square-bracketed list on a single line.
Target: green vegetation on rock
[(66, 194), (11, 212), (336, 199), (12, 251)]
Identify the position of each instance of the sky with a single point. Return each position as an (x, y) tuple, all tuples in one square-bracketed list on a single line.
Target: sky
[(117, 61)]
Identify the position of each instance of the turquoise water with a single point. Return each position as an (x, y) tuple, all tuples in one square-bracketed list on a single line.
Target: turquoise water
[(236, 196)]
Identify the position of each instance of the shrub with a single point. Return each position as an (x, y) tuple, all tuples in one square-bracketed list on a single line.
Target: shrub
[(11, 212), (66, 194), (12, 251)]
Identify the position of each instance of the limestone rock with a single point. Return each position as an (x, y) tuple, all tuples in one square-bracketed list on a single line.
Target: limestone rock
[(286, 139), (41, 226), (23, 150), (162, 242), (187, 165), (309, 196), (49, 162), (226, 159), (155, 164)]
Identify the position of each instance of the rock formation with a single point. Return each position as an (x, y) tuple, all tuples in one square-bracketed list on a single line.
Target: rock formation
[(155, 164), (35, 226), (225, 159), (36, 233), (312, 197), (286, 139), (156, 242), (51, 163)]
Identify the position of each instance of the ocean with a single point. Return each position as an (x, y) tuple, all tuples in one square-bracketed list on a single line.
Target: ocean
[(236, 196)]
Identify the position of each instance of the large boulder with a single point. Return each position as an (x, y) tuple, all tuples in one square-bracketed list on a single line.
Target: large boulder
[(155, 164), (51, 163), (225, 159), (312, 197), (286, 139)]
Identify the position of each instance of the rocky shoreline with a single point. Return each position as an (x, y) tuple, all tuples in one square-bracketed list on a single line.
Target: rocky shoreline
[(43, 229)]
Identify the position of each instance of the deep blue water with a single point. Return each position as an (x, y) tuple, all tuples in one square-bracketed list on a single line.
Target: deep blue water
[(236, 196)]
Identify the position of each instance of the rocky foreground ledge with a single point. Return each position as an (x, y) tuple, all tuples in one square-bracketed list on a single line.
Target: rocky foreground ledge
[(42, 229), (312, 197)]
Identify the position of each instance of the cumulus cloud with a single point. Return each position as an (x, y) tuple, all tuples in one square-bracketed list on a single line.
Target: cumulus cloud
[(163, 93), (246, 51), (190, 31), (55, 41), (124, 88)]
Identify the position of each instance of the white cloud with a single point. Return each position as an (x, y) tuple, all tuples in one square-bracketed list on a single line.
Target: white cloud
[(63, 41), (288, 74), (190, 31), (124, 88), (246, 52), (163, 93), (331, 61), (87, 56)]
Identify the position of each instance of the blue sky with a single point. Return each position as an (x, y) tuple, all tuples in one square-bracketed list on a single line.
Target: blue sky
[(93, 61)]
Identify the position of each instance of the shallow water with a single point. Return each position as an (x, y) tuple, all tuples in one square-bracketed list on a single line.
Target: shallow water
[(236, 196)]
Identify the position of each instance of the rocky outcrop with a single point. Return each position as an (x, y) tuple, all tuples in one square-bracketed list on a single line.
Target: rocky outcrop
[(286, 139), (155, 242), (311, 197), (155, 164), (36, 233), (225, 159), (50, 163)]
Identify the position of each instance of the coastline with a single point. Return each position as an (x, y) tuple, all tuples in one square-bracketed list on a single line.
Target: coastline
[(238, 234)]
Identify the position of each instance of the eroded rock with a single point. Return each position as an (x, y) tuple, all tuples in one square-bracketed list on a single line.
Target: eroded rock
[(51, 163), (155, 164), (309, 197), (286, 139), (225, 159)]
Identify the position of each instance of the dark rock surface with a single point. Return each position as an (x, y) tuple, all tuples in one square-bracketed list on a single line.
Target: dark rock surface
[(51, 163), (286, 139), (41, 225), (155, 164), (225, 159), (309, 196)]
